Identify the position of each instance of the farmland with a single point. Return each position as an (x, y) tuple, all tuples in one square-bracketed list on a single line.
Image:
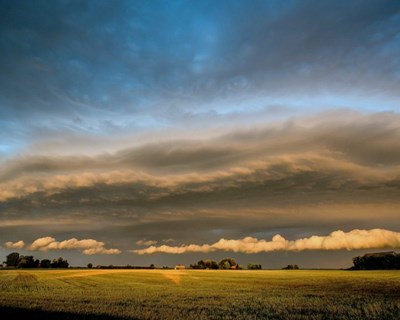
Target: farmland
[(199, 294)]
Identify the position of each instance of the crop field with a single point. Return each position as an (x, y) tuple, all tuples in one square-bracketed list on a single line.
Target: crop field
[(199, 294)]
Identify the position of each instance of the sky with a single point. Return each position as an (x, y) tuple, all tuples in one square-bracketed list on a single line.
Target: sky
[(165, 132)]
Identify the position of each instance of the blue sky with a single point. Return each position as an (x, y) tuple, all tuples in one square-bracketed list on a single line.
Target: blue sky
[(108, 67), (99, 87)]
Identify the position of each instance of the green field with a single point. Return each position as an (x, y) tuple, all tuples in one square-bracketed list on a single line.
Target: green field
[(199, 294)]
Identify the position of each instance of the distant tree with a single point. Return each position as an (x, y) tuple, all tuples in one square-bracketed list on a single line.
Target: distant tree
[(291, 267), (205, 264), (45, 263), (201, 264), (152, 266), (211, 264), (59, 263), (253, 266), (26, 262), (228, 263), (377, 261), (12, 259), (90, 265)]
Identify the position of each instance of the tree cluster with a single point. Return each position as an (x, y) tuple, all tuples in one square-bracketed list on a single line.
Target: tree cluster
[(227, 263), (16, 260), (205, 264), (254, 266), (291, 267), (224, 264), (377, 261)]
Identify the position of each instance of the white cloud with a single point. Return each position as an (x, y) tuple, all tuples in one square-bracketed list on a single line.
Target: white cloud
[(337, 240), (15, 245), (87, 246)]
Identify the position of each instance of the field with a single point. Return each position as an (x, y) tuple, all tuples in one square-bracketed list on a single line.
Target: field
[(199, 294)]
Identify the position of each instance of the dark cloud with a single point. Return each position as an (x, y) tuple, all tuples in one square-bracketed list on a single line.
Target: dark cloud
[(362, 140), (312, 175)]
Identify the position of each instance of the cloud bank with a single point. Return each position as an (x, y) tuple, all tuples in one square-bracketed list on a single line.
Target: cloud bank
[(87, 246), (343, 147), (337, 240)]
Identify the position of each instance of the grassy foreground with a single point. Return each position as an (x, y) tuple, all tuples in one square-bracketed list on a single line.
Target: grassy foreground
[(199, 294)]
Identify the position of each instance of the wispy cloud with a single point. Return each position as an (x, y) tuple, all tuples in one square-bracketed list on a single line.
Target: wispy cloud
[(146, 242), (337, 240)]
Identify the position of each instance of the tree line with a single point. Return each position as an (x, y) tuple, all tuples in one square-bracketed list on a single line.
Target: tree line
[(224, 264), (16, 260)]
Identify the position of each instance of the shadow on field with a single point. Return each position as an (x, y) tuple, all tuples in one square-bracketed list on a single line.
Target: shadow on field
[(36, 314)]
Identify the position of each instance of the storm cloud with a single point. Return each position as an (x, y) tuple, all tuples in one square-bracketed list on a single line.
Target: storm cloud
[(360, 152)]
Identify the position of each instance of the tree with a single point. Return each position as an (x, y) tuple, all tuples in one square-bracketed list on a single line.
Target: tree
[(291, 267), (253, 266), (377, 261), (45, 263), (90, 265), (227, 263), (26, 262), (59, 263), (12, 259), (205, 264)]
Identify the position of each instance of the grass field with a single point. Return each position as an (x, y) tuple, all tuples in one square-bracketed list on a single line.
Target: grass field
[(199, 294)]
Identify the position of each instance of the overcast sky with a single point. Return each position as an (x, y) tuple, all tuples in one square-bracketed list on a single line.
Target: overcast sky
[(138, 132)]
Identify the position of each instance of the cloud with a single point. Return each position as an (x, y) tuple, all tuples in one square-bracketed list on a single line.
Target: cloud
[(338, 240), (15, 245), (87, 246), (345, 146), (170, 240), (267, 50), (146, 242)]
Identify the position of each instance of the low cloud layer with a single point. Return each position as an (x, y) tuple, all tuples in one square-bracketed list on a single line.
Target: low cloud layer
[(332, 150), (86, 246), (337, 240)]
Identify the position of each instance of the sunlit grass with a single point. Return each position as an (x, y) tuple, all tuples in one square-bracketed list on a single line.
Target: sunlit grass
[(202, 294)]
